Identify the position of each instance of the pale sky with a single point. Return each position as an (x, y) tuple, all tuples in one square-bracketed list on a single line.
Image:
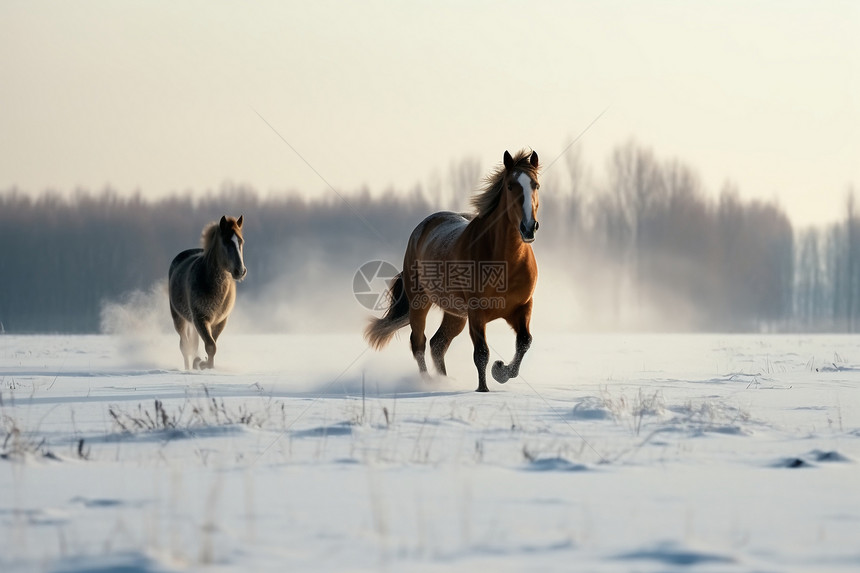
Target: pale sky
[(163, 96)]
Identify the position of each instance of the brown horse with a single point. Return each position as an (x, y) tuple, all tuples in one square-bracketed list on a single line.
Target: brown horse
[(202, 285), (476, 268)]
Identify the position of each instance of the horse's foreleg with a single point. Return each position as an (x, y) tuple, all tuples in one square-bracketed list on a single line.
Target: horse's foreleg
[(451, 326), (218, 329), (519, 321), (210, 352), (478, 332), (204, 329)]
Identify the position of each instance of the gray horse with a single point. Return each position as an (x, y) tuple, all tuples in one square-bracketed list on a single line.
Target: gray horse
[(202, 284)]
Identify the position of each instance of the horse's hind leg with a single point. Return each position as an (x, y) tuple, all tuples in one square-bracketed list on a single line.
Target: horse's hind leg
[(451, 326), (519, 321), (182, 328), (418, 340), (193, 344)]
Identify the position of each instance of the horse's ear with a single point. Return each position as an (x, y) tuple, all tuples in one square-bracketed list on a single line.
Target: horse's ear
[(240, 220), (534, 159), (509, 161), (224, 225)]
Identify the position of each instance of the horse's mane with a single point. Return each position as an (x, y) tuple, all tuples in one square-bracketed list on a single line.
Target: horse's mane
[(488, 196), (209, 236)]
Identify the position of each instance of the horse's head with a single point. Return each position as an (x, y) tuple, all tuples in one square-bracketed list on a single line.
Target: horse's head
[(231, 244), (521, 190)]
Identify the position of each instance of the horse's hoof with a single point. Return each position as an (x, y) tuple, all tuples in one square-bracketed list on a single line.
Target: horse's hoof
[(500, 373), (198, 364), (482, 389)]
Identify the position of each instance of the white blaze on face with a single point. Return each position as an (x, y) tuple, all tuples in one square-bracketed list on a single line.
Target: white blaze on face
[(526, 183), (235, 240)]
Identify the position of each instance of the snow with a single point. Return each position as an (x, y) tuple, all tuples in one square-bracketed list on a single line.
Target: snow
[(608, 453)]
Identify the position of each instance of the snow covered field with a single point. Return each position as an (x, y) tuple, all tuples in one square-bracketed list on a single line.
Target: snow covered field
[(609, 453)]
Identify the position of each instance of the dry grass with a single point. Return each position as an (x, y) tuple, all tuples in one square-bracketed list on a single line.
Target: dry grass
[(633, 411), (18, 445), (209, 412)]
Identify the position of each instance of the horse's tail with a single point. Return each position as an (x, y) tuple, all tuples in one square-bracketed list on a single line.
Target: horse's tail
[(380, 330)]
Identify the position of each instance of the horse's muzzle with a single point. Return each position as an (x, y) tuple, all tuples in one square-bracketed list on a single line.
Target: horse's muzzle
[(528, 234), (240, 275)]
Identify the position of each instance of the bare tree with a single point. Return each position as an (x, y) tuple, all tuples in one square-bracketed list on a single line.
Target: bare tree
[(464, 177), (635, 182)]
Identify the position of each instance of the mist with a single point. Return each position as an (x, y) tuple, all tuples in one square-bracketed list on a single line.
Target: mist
[(645, 248)]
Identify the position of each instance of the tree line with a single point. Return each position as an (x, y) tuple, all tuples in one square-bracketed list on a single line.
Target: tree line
[(645, 248)]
